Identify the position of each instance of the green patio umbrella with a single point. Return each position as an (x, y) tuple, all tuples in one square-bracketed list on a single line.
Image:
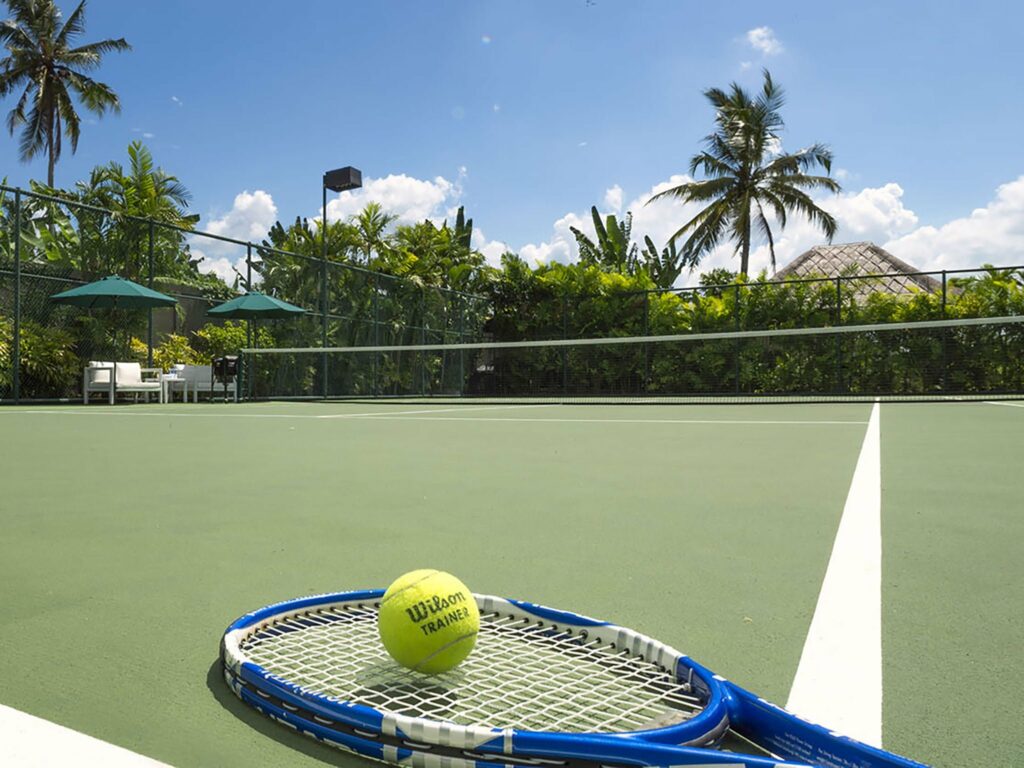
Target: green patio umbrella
[(255, 306), (114, 293)]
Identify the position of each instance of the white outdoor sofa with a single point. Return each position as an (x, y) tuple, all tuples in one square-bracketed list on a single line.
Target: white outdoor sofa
[(115, 378), (199, 378)]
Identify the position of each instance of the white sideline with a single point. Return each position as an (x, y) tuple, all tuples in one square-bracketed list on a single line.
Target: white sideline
[(27, 741), (838, 682), (1000, 402)]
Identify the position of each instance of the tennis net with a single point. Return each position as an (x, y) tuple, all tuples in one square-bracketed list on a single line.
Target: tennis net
[(965, 358)]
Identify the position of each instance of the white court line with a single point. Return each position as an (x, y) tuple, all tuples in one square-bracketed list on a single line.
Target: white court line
[(401, 416), (1000, 402), (374, 417), (838, 682), (104, 411), (101, 411), (31, 742), (460, 408)]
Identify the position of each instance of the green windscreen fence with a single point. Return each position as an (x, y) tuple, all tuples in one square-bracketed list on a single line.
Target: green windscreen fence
[(974, 358)]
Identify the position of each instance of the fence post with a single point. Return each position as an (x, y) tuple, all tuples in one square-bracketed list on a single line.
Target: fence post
[(462, 340), (739, 343), (149, 329), (647, 332), (423, 340), (945, 340), (839, 342), (16, 356), (376, 334), (565, 335)]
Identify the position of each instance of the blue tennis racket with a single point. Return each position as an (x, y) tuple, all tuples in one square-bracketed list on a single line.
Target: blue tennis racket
[(542, 687)]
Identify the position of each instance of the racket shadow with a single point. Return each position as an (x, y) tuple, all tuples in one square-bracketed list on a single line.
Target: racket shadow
[(271, 729)]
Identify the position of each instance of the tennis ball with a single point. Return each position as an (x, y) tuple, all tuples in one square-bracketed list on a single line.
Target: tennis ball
[(428, 621)]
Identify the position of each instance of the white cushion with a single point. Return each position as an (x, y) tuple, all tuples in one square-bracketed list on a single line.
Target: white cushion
[(100, 376), (128, 374), (141, 386)]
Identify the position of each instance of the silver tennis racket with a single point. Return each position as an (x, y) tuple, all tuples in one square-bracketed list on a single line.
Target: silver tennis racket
[(542, 687)]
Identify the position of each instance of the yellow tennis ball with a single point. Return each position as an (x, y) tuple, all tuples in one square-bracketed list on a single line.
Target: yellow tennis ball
[(428, 621)]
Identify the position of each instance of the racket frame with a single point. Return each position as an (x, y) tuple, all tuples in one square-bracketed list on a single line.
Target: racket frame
[(396, 738)]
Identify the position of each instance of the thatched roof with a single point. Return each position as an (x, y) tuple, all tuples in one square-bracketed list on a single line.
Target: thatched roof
[(849, 259)]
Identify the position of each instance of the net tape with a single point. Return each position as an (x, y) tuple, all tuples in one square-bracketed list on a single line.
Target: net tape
[(831, 330)]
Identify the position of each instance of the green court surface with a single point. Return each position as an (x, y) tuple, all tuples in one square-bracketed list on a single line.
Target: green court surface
[(132, 535)]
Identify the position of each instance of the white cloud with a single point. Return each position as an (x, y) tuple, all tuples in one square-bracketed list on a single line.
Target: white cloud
[(148, 135), (875, 214), (562, 245), (408, 198), (251, 216), (491, 249), (763, 39), (993, 234), (486, 39), (613, 198), (177, 101)]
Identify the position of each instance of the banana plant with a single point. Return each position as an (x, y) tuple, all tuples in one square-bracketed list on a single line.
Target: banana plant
[(613, 251), (666, 266)]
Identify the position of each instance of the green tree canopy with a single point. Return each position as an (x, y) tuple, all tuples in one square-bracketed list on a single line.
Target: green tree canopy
[(50, 73)]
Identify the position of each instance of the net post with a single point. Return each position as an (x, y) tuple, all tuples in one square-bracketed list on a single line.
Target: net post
[(248, 325), (16, 351), (323, 293), (149, 328)]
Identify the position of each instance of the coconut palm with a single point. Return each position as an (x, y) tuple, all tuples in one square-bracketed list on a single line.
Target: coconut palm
[(747, 177), (42, 63)]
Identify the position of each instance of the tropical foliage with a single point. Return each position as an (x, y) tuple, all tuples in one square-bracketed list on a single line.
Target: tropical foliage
[(50, 71), (389, 282), (747, 179)]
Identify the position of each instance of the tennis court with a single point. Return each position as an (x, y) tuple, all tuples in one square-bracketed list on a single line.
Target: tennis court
[(132, 535)]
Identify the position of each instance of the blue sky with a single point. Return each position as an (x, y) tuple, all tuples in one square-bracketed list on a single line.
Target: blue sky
[(529, 112)]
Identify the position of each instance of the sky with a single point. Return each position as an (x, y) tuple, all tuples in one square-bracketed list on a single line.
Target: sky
[(528, 112)]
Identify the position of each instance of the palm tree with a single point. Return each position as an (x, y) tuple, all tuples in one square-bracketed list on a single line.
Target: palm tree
[(746, 176), (371, 224), (41, 60)]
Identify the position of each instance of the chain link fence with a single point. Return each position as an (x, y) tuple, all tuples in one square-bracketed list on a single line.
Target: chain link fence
[(49, 245)]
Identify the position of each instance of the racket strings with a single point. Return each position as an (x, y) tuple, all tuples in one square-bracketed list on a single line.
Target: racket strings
[(522, 674)]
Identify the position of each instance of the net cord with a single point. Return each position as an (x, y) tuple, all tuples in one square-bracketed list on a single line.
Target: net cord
[(689, 337)]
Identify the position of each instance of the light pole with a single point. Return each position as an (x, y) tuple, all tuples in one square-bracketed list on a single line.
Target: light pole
[(337, 180)]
